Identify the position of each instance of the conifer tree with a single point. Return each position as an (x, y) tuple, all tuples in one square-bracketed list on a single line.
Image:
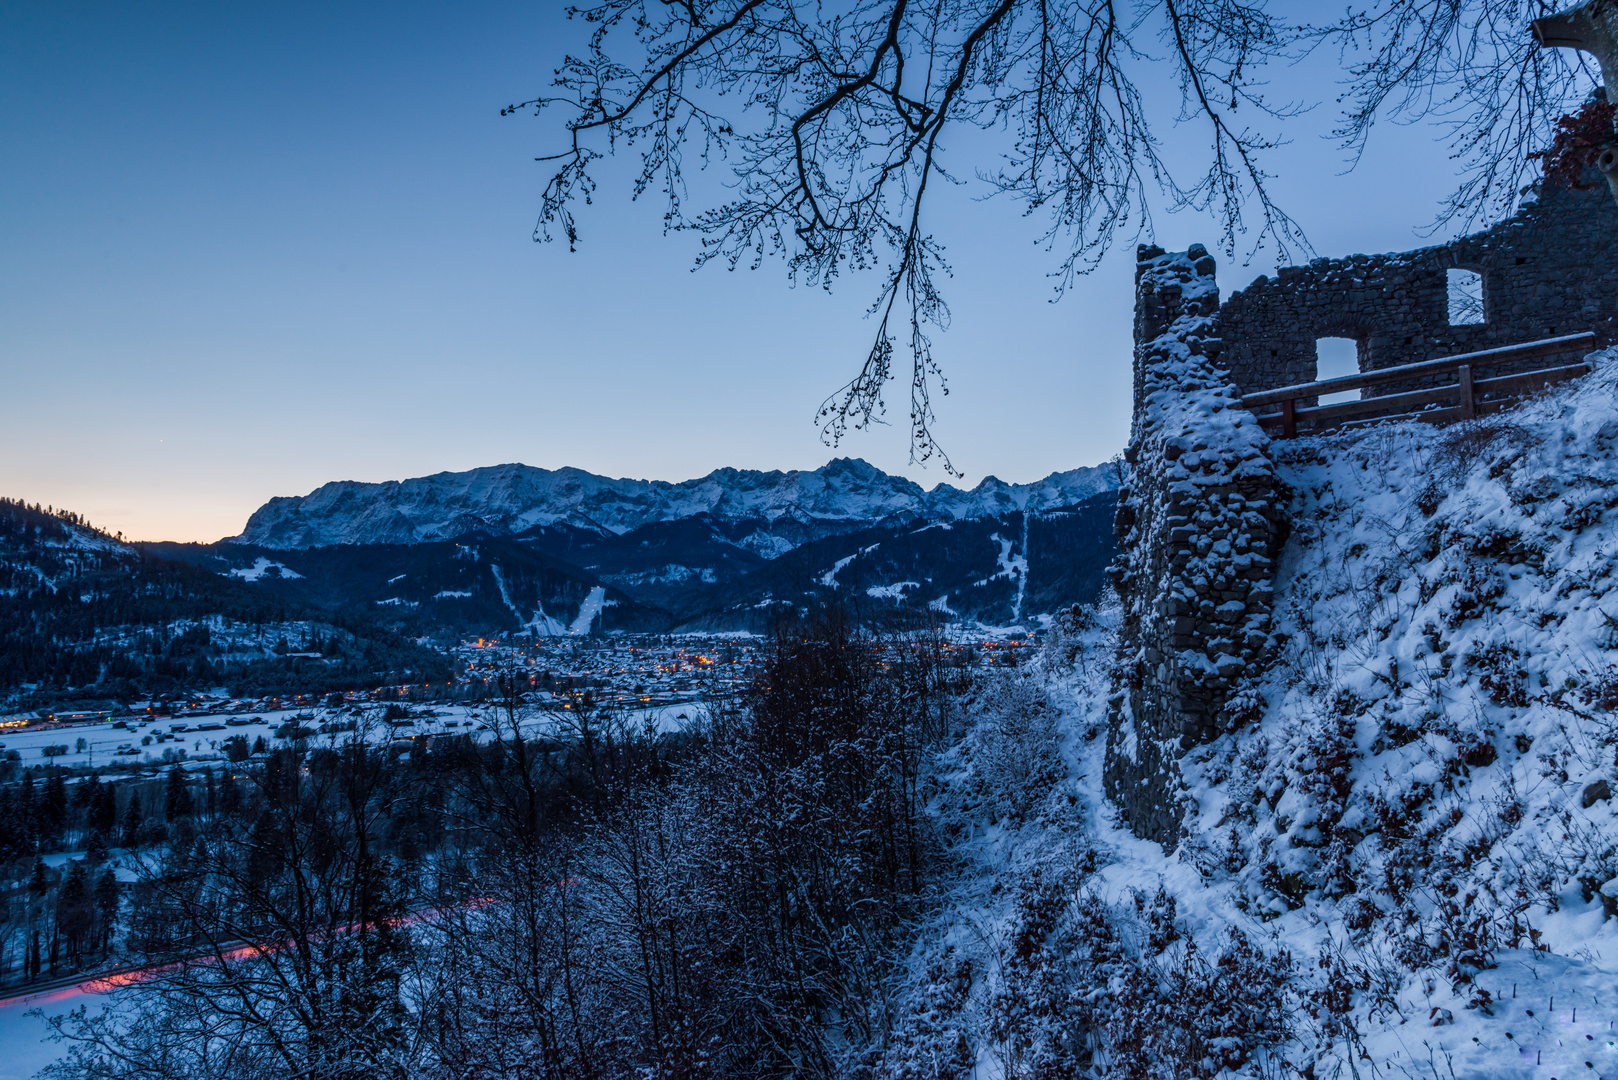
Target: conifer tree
[(75, 915), (53, 810), (230, 797), (176, 796), (26, 813), (103, 816), (134, 818), (106, 902), (13, 829), (86, 791)]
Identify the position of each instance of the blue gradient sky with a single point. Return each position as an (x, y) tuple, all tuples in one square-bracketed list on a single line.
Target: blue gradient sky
[(246, 249)]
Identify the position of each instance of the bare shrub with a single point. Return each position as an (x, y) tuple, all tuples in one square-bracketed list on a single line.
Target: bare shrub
[(1063, 951), (1462, 447), (1014, 744), (1500, 673), (1198, 1018)]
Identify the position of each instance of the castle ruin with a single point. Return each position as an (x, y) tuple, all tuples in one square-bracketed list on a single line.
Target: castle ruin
[(1201, 520)]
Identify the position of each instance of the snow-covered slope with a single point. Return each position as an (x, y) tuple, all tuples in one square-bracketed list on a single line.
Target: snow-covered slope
[(506, 499), (1400, 859)]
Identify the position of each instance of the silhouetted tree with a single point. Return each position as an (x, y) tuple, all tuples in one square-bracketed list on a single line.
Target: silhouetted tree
[(134, 818), (834, 121), (318, 989), (75, 911), (176, 795), (52, 810), (106, 903)]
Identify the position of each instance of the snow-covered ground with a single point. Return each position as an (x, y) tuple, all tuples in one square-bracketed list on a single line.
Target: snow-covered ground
[(24, 1039), (829, 578), (262, 566), (1400, 857), (103, 740), (589, 608)]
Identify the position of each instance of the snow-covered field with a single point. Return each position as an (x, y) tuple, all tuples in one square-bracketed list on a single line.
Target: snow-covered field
[(202, 736), (24, 1038)]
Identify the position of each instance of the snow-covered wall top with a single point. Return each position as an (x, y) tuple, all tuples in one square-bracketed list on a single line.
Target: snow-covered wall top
[(505, 499)]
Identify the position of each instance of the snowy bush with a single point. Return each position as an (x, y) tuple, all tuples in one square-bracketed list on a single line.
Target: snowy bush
[(1066, 639), (929, 1041), (1014, 744), (1062, 954), (1197, 1018)]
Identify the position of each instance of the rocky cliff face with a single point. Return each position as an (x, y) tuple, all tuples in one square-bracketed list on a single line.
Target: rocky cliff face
[(509, 499)]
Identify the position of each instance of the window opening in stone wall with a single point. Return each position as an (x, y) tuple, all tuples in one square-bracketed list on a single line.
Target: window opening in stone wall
[(1336, 357), (1465, 298)]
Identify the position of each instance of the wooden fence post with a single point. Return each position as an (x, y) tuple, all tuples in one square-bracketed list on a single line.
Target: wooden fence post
[(1289, 419), (1467, 403)]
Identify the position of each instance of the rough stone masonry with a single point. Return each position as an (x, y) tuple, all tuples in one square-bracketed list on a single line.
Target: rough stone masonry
[(1200, 521), (1197, 528), (1550, 270)]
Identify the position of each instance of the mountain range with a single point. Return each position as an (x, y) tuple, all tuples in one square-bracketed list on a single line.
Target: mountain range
[(503, 500), (356, 583), (517, 549)]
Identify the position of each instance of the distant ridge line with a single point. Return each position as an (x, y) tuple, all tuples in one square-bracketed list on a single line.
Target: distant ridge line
[(510, 498)]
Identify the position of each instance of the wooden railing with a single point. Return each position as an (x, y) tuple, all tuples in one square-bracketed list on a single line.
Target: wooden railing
[(1466, 393)]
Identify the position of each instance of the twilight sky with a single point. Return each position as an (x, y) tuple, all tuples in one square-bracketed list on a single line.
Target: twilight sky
[(249, 248)]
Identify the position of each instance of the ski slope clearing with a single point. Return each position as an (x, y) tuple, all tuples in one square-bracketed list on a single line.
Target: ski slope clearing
[(262, 566)]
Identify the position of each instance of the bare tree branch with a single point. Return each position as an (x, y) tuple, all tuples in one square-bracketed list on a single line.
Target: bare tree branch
[(831, 119)]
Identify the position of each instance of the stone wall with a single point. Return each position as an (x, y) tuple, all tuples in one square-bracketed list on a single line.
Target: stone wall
[(1552, 269), (1197, 526)]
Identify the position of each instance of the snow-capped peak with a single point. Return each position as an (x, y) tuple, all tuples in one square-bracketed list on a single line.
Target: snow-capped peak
[(507, 499)]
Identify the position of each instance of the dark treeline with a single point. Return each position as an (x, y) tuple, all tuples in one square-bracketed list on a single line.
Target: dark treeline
[(48, 519), (568, 897)]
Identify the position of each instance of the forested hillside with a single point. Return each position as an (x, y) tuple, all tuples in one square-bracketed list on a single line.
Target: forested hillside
[(84, 615), (444, 590), (697, 573)]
